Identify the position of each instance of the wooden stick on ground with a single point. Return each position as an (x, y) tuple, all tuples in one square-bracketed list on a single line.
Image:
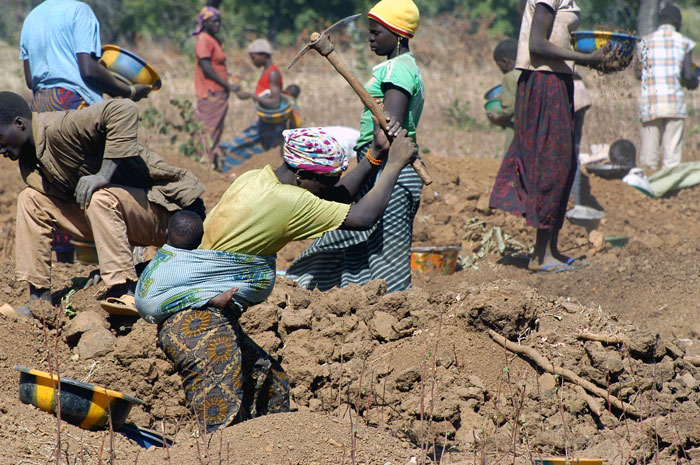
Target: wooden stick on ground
[(605, 338), (624, 340), (592, 404), (543, 363)]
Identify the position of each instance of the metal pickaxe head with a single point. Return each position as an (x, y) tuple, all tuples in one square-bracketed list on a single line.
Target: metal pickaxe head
[(321, 42)]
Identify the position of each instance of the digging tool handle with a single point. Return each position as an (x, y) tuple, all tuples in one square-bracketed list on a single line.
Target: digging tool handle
[(373, 106)]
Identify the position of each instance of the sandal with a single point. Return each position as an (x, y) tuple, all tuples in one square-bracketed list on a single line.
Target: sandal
[(123, 306)]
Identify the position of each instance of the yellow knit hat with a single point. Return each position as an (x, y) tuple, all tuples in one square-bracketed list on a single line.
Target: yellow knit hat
[(399, 16)]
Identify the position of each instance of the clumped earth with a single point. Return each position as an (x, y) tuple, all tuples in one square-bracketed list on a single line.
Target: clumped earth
[(413, 376)]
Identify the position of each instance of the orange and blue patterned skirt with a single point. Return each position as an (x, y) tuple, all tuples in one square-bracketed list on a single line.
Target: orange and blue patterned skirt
[(226, 376)]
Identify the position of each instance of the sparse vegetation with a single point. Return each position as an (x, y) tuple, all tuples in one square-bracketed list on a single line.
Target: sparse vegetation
[(196, 140)]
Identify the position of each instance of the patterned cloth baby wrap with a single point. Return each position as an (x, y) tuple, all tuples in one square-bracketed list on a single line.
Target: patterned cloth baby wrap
[(177, 279)]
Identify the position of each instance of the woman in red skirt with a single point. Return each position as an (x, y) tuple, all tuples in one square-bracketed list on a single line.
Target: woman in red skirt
[(537, 172)]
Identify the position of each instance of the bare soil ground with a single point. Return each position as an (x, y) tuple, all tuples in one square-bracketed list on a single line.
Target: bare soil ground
[(412, 376), (398, 378)]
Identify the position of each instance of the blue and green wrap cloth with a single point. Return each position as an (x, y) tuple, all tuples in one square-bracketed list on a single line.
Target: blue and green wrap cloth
[(177, 279)]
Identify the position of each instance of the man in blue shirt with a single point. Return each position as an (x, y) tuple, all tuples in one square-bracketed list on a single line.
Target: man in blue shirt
[(60, 46)]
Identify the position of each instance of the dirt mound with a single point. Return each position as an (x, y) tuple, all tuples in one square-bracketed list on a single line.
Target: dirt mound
[(416, 373), (420, 365)]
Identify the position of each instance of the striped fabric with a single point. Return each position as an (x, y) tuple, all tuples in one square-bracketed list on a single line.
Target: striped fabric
[(56, 99), (662, 53), (211, 111), (341, 257), (256, 138)]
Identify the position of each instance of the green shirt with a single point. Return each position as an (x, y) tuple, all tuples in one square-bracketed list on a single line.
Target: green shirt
[(400, 71), (258, 215)]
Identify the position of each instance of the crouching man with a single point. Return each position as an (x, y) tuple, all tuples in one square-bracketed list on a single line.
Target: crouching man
[(88, 175)]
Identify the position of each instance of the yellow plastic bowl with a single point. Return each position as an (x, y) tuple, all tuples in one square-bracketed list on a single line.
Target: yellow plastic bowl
[(82, 404), (129, 67), (85, 252)]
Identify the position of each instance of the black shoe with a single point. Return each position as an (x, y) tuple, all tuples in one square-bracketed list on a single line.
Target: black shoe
[(118, 290)]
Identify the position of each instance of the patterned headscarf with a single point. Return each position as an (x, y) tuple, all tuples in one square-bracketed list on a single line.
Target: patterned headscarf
[(313, 149), (204, 14)]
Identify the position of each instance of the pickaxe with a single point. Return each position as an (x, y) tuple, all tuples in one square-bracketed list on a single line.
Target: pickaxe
[(323, 45)]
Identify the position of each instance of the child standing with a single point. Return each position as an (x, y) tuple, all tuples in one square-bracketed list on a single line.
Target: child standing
[(504, 55), (260, 135), (665, 59)]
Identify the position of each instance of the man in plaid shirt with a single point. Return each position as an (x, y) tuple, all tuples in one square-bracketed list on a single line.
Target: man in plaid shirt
[(665, 64)]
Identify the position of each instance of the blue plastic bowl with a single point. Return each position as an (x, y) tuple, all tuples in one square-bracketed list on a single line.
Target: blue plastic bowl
[(590, 41), (494, 106), (494, 92), (145, 438)]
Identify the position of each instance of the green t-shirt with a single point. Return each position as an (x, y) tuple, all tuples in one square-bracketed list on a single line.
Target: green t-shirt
[(259, 215), (402, 72)]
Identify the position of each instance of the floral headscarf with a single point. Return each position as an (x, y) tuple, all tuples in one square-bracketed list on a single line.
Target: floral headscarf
[(313, 149), (204, 14)]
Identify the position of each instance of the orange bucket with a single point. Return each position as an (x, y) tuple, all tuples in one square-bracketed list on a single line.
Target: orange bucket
[(438, 259)]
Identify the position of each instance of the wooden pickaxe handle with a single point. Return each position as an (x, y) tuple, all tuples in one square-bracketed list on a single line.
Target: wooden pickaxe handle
[(373, 107)]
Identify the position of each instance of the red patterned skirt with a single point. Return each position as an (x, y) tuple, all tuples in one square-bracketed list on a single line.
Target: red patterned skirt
[(537, 172)]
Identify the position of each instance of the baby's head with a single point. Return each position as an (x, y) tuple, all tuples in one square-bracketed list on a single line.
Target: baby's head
[(504, 55), (292, 90), (623, 152), (185, 230)]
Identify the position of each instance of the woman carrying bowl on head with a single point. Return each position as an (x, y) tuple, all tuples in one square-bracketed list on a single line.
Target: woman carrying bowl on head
[(537, 172), (211, 78), (384, 252)]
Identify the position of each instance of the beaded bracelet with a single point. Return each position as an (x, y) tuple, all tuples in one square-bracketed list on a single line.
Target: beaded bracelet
[(371, 159)]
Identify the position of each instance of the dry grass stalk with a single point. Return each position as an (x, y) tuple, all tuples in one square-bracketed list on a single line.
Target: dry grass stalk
[(165, 441), (102, 447), (517, 401), (111, 431), (340, 375), (567, 454), (423, 433), (433, 383)]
